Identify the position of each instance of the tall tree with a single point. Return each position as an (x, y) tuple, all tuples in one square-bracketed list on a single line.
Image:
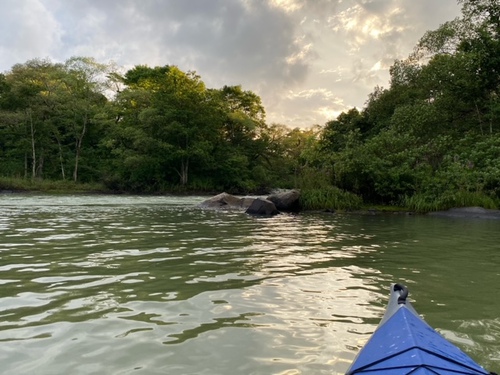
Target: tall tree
[(53, 106), (85, 83), (33, 88), (168, 119)]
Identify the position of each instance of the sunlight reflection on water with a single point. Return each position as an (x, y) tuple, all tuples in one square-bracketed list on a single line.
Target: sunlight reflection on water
[(153, 285)]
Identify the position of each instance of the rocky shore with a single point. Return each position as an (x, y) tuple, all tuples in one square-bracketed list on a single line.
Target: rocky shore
[(289, 201)]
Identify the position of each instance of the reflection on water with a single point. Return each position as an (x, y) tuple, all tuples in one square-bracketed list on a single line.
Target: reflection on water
[(153, 285)]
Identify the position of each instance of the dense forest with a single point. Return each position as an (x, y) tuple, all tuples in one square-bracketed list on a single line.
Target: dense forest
[(431, 140)]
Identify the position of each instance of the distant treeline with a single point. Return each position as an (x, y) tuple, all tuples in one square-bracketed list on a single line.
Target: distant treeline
[(429, 141)]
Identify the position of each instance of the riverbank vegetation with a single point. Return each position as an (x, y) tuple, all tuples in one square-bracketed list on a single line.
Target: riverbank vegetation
[(429, 141), (10, 185)]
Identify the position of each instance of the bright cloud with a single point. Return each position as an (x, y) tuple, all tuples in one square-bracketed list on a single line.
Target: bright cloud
[(287, 5)]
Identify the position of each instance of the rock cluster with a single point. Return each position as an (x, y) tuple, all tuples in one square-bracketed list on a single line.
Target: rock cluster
[(284, 201)]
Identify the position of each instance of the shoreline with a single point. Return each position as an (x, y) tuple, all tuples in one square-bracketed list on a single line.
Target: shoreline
[(456, 212)]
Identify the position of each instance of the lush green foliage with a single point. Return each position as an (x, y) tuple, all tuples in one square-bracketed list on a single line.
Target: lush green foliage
[(430, 141), (148, 130)]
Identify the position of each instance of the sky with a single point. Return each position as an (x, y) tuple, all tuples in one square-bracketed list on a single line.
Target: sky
[(308, 60)]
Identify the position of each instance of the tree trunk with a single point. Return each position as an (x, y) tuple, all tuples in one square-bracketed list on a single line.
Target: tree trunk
[(479, 118), (183, 172), (61, 159), (33, 152), (77, 157), (25, 165), (39, 168), (79, 141)]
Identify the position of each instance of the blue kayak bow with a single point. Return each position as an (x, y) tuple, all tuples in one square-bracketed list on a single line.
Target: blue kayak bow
[(404, 343)]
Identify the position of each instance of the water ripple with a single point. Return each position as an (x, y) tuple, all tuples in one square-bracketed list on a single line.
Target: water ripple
[(120, 284)]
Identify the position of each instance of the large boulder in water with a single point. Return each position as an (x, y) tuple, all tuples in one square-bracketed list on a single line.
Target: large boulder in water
[(227, 201), (246, 202), (262, 207), (223, 201), (287, 201), (253, 206)]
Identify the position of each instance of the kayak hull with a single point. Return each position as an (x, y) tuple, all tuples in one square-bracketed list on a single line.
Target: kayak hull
[(404, 343)]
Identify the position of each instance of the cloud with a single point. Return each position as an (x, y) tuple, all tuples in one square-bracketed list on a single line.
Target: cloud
[(28, 30), (222, 40), (310, 105), (307, 59)]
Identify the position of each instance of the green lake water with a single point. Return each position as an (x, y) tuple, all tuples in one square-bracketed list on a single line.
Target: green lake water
[(154, 285)]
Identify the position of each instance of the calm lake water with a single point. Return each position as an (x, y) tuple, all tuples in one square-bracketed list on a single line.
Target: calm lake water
[(154, 285)]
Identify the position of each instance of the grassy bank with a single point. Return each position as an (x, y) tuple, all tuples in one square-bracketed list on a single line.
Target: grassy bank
[(424, 203), (48, 186), (329, 198), (334, 199)]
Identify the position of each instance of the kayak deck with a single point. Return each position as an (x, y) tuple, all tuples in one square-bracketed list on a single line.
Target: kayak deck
[(404, 343)]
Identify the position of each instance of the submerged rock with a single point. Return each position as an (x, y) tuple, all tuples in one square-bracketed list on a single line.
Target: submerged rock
[(469, 212)]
